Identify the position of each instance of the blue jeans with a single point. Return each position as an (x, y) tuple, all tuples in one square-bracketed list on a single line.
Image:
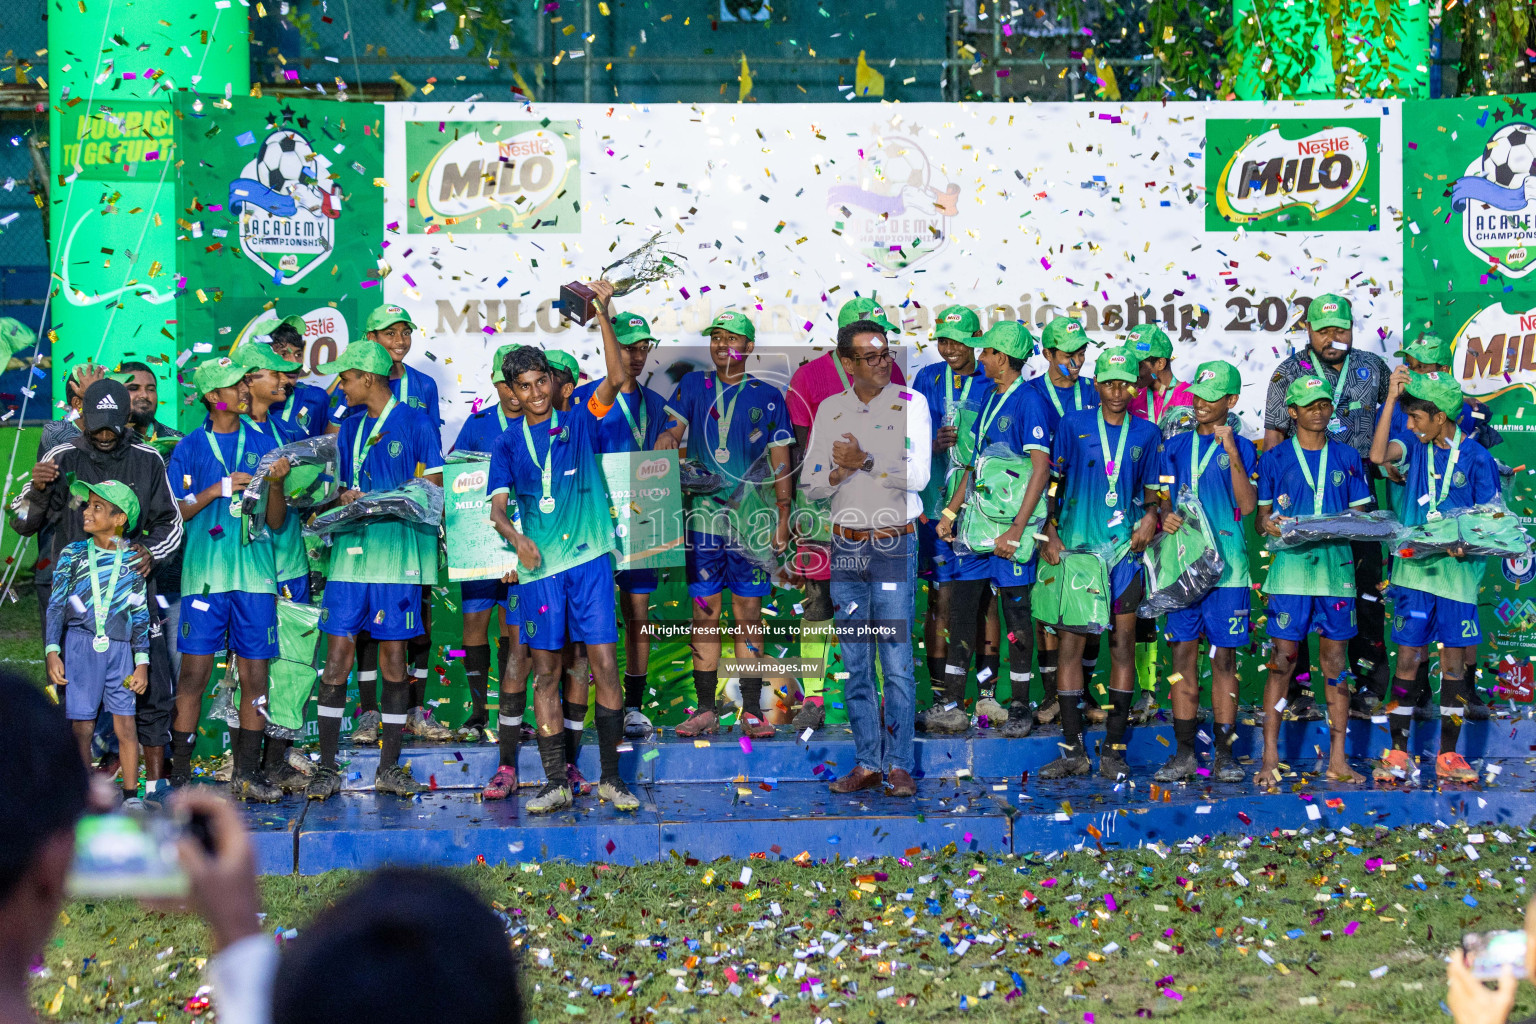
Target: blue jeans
[(874, 592)]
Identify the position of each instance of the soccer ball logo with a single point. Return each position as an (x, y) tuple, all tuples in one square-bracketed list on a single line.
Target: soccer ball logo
[(284, 157), (1496, 197), (894, 211), (1510, 156), (287, 206)]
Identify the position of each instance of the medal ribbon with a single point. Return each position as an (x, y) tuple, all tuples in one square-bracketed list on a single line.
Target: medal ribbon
[(949, 391), (1450, 467), (360, 446), (99, 601), (1112, 469), (637, 431), (548, 473), (1322, 473), (723, 424), (219, 454), (1196, 464)]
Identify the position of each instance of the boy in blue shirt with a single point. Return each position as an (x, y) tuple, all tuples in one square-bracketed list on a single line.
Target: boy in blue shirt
[(98, 625), (379, 570), (1012, 417), (956, 390), (478, 598), (1434, 597), (643, 413), (305, 412), (1105, 495), (267, 385), (229, 579), (1312, 587), (1217, 467), (548, 461), (731, 419)]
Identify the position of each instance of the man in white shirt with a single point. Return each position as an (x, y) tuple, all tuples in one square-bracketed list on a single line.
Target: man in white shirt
[(869, 452)]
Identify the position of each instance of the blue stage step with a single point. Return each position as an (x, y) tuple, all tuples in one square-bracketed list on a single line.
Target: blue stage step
[(992, 809)]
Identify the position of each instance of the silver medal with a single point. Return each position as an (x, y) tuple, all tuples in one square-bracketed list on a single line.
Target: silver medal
[(546, 505), (101, 643), (722, 455)]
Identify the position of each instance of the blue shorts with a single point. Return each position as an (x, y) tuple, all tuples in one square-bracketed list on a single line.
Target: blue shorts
[(481, 595), (714, 566), (1293, 616), (637, 581), (297, 589), (1221, 617), (575, 604), (385, 611), (249, 621), (1422, 619), (1008, 573), (936, 559), (96, 679)]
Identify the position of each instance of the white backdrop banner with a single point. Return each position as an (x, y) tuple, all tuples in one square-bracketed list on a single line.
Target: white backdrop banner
[(1219, 221)]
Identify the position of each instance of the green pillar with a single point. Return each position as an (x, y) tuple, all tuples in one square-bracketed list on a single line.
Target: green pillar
[(112, 153), (1382, 47)]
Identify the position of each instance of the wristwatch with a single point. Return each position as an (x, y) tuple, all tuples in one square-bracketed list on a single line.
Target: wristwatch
[(869, 463)]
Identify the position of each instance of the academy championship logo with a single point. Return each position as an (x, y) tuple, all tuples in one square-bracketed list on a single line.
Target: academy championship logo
[(288, 206), (494, 177), (1279, 175), (1495, 350), (1496, 198), (896, 213)]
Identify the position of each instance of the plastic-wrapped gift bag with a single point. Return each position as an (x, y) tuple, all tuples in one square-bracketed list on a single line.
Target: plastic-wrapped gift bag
[(418, 501), (1184, 565), (291, 676), (1298, 531), (1482, 530), (1074, 595), (311, 482), (997, 493)]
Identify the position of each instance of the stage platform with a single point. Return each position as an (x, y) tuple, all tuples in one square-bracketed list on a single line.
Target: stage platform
[(718, 796)]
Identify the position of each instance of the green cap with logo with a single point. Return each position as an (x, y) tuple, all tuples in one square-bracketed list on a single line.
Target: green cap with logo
[(222, 372), (113, 492), (1009, 337), (855, 310), (256, 355), (632, 328), (383, 316), (365, 355), (1439, 388), (1430, 348), (559, 360), (499, 359), (958, 323), (1117, 364), (734, 321), (1329, 311), (1149, 341), (1306, 390), (1216, 380), (1064, 334), (272, 323)]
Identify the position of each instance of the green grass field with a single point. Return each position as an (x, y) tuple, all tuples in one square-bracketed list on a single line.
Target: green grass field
[(1327, 927)]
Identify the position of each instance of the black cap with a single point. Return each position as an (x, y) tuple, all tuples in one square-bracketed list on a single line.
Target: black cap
[(105, 405)]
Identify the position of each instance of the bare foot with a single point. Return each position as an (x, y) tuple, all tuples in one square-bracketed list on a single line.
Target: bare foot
[(1340, 771), (1268, 775)]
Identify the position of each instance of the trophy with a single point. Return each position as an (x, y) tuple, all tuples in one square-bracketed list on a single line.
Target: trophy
[(646, 264)]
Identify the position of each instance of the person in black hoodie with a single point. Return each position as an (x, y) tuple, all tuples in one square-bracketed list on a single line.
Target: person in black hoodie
[(107, 449)]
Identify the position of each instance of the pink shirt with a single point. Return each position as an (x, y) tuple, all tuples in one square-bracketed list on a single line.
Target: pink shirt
[(816, 381), (1169, 400)]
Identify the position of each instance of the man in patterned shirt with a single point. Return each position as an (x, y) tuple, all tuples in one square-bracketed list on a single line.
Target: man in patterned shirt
[(1357, 383)]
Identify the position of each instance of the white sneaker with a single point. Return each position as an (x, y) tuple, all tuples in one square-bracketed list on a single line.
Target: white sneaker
[(636, 725), (300, 762), (420, 723), (989, 706)]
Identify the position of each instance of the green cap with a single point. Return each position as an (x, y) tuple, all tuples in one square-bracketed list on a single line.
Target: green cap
[(1306, 390), (855, 310), (559, 360), (15, 337), (735, 322), (1216, 380), (258, 355), (500, 358), (223, 372), (1330, 311), (1117, 364), (365, 355), (383, 316), (272, 323), (113, 492), (1439, 388), (1149, 341), (958, 323), (1009, 337), (632, 328), (1430, 348), (1064, 334)]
